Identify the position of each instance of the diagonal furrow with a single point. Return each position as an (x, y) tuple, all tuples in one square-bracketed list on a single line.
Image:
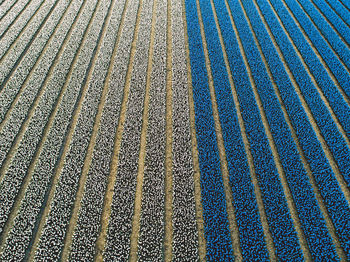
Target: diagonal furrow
[(40, 119), (18, 77), (88, 223)]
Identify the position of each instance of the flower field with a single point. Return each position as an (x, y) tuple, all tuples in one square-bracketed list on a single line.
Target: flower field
[(175, 130)]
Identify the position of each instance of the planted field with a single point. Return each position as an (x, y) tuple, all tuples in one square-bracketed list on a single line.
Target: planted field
[(174, 130)]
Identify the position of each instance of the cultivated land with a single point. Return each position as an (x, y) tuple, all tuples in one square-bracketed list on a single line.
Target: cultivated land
[(174, 130)]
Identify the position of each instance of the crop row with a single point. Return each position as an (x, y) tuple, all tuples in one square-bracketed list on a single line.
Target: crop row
[(15, 12), (6, 7), (327, 31), (28, 96), (340, 72), (52, 239), (150, 242), (338, 24), (14, 30), (40, 183), (278, 215), (185, 237), (18, 49), (89, 217), (66, 189), (216, 226), (345, 4), (329, 188), (309, 213), (325, 83), (30, 58), (122, 206), (18, 168), (248, 219), (332, 135), (24, 101), (341, 11)]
